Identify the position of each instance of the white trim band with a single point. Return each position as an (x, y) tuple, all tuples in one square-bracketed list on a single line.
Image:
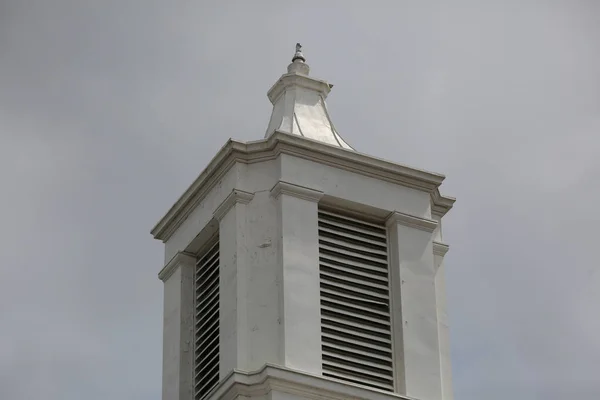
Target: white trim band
[(440, 249), (424, 224), (179, 258), (273, 378), (236, 196), (298, 191)]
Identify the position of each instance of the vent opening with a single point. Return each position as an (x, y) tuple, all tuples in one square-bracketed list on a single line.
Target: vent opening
[(355, 301), (206, 322)]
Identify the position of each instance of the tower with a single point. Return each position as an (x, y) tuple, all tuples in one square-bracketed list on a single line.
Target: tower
[(299, 268)]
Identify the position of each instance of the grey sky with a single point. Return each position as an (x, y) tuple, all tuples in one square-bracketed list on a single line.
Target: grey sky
[(109, 109)]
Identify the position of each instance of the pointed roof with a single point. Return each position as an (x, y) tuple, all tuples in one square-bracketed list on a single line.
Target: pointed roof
[(299, 106)]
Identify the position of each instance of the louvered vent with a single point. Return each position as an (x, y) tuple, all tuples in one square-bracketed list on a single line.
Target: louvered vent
[(206, 337), (355, 301)]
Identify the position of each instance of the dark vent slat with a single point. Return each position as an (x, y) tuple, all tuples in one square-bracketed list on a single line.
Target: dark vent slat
[(355, 305), (207, 318), (377, 246), (206, 301), (368, 338), (209, 271), (379, 268), (354, 272), (345, 221), (364, 359), (353, 255), (333, 320), (357, 353), (353, 288), (365, 373), (207, 385), (347, 341), (209, 254), (355, 301), (359, 249), (352, 378), (352, 316), (211, 359), (206, 323), (209, 345)]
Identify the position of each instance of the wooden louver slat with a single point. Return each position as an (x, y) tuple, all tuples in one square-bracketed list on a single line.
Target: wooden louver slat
[(206, 335), (355, 306)]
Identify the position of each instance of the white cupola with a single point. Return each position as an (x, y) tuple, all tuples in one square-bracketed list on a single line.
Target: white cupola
[(296, 268), (299, 106)]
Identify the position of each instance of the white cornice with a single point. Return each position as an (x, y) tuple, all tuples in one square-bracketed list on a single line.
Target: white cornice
[(283, 143), (236, 196), (178, 259), (440, 205), (272, 378), (291, 189), (423, 224), (440, 249)]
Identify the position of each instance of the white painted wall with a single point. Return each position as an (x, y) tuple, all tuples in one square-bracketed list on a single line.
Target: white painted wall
[(264, 283), (233, 290), (443, 328), (414, 311), (361, 189), (178, 329), (298, 265)]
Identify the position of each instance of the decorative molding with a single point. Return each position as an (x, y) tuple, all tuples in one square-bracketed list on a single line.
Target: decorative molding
[(282, 143), (236, 196), (353, 209), (440, 205), (440, 249), (179, 258), (295, 79), (424, 224), (272, 378), (298, 191)]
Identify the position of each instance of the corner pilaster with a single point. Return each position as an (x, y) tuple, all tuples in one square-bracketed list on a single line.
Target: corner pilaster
[(439, 251), (233, 281), (414, 313), (298, 255), (178, 330)]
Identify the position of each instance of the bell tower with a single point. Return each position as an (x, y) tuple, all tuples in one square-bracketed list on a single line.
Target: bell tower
[(299, 268)]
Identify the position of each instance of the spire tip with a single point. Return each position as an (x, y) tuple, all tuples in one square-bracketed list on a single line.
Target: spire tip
[(299, 55)]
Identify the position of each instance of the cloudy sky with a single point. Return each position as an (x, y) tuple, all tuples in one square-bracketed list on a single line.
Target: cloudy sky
[(109, 109)]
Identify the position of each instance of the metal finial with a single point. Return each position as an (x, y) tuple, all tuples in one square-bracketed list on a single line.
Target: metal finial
[(299, 55)]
